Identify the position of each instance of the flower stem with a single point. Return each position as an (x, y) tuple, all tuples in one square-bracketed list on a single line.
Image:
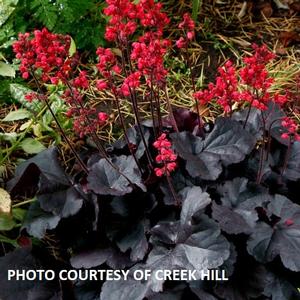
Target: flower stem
[(82, 164), (173, 192), (173, 121), (262, 151), (194, 87), (287, 156)]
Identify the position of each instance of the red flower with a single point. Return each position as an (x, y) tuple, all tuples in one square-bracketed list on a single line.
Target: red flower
[(45, 51), (149, 55), (166, 156), (291, 129), (130, 82), (181, 43), (289, 222), (120, 26), (102, 117), (81, 81), (188, 25), (101, 85)]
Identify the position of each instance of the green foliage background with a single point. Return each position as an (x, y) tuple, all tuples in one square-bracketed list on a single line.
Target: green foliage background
[(82, 19)]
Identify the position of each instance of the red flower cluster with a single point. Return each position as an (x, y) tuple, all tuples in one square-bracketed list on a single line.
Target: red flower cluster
[(121, 24), (149, 55), (107, 62), (254, 76), (132, 81), (188, 26), (166, 156), (85, 121), (81, 81), (44, 51), (150, 14), (125, 15), (225, 90), (291, 129)]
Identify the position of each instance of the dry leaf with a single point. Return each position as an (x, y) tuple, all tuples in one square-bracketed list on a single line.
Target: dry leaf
[(5, 201), (281, 50), (266, 9), (295, 6), (287, 37)]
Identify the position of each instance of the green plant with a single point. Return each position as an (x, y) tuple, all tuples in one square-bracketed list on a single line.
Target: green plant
[(38, 127)]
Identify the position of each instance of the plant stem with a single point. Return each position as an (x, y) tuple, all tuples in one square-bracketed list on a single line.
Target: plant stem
[(173, 192), (269, 137), (152, 106), (262, 151), (96, 139), (287, 156), (88, 121), (248, 114), (122, 122), (82, 164), (173, 121), (23, 203), (125, 51), (200, 125), (157, 101), (136, 113)]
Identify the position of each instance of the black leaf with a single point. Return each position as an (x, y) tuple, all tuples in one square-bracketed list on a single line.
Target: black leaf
[(104, 179), (228, 143), (22, 259), (37, 221), (282, 238), (237, 213), (45, 164)]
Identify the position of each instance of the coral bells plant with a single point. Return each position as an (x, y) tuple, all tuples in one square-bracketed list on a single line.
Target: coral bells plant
[(173, 193)]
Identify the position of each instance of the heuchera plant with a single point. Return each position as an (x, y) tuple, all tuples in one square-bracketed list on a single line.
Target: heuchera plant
[(173, 193)]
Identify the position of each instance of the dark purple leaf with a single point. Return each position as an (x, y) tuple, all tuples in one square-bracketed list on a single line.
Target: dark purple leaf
[(91, 258), (292, 171), (185, 119), (254, 123), (37, 221), (62, 203), (134, 139), (237, 213), (283, 238), (277, 288), (46, 165), (193, 201), (228, 143), (198, 288), (202, 250), (136, 241), (103, 179), (247, 285), (190, 148), (22, 259), (229, 140), (96, 257)]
